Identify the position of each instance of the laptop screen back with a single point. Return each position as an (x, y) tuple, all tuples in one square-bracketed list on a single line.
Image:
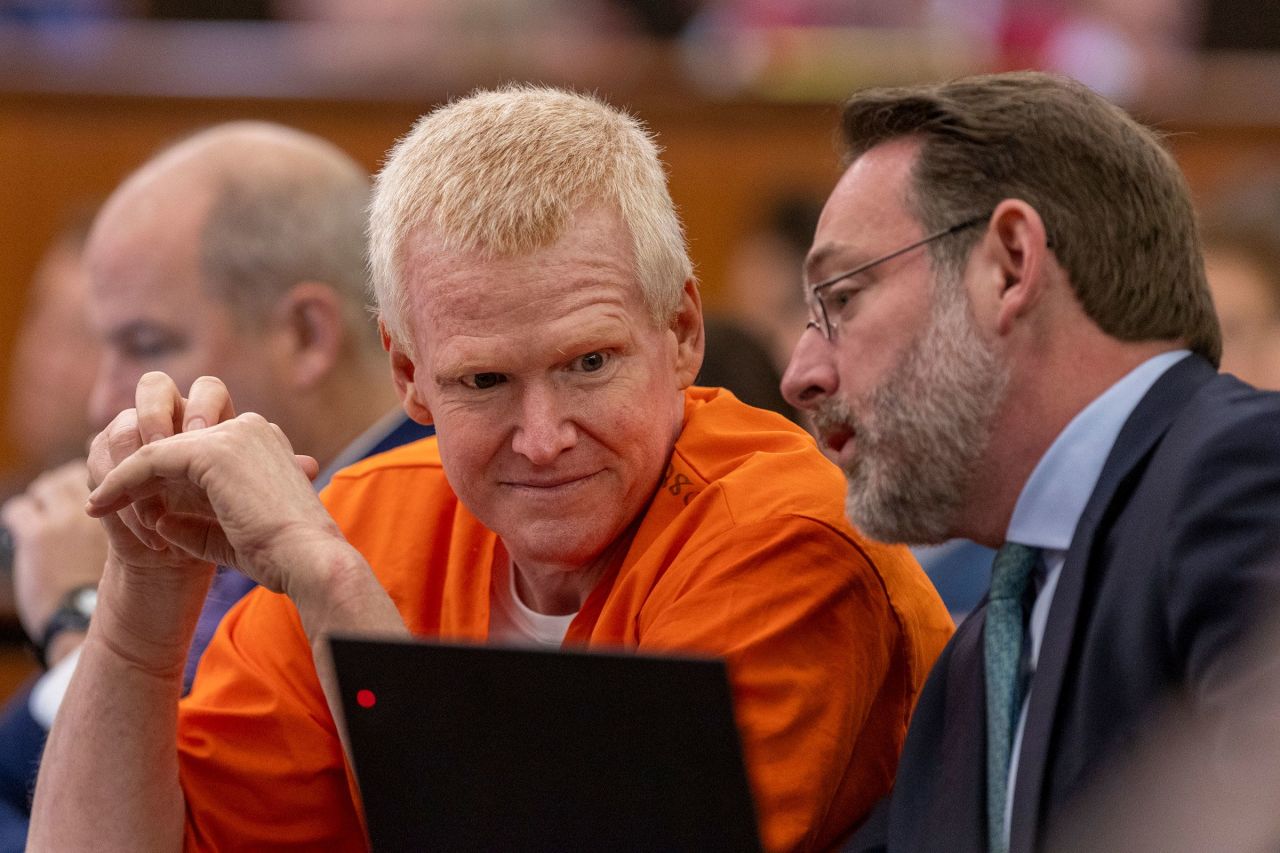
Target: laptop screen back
[(461, 747)]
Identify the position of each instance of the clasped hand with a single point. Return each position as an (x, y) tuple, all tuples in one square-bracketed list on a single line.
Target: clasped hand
[(183, 482), (57, 548)]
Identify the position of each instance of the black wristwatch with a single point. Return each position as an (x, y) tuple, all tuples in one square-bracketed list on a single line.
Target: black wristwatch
[(73, 614)]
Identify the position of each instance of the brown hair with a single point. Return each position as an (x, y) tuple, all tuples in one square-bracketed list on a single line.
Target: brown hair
[(1115, 205)]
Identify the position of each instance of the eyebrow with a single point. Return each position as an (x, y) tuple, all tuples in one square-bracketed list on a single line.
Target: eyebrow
[(599, 333), (821, 258)]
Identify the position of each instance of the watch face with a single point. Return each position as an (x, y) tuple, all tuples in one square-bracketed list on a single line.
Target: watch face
[(86, 600)]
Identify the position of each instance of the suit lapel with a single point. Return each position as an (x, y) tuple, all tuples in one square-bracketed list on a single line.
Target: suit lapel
[(1140, 433), (938, 797), (962, 823)]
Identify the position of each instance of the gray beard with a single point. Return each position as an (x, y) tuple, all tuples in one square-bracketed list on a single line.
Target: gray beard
[(922, 432)]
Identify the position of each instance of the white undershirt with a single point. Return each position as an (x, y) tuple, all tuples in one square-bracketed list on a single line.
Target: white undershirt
[(512, 622)]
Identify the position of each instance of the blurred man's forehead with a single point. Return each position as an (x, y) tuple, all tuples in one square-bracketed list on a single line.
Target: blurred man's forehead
[(149, 251)]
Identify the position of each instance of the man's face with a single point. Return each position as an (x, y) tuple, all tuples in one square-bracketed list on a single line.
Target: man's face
[(903, 397), (556, 398), (151, 311), (49, 385)]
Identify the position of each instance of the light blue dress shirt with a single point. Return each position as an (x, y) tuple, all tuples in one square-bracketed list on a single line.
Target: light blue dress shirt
[(1054, 497)]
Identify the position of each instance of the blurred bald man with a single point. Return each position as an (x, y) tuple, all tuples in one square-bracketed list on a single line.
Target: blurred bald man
[(240, 252)]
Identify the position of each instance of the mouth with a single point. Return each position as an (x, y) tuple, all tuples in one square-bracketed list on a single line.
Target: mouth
[(835, 438), (549, 484), (836, 428)]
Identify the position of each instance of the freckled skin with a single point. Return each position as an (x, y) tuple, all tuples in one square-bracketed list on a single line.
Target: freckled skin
[(556, 398)]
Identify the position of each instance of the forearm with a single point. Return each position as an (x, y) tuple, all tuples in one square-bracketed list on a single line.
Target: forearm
[(109, 775)]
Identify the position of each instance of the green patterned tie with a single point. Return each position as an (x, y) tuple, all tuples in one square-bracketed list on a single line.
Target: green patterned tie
[(1002, 652)]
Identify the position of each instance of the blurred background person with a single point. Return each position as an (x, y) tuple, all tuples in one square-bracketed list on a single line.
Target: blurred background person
[(736, 359), (763, 286), (749, 339), (1127, 50), (54, 360), (237, 252), (53, 364), (55, 357), (1241, 233), (57, 549)]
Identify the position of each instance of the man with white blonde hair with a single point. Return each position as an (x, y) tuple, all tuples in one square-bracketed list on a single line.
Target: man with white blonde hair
[(538, 306)]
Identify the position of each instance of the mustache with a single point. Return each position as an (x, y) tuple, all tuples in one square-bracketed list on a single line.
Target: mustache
[(833, 413)]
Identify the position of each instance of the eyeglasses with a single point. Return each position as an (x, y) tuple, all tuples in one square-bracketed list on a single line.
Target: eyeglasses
[(820, 313)]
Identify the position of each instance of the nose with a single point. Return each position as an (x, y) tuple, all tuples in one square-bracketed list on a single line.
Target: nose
[(544, 430), (111, 394), (811, 376)]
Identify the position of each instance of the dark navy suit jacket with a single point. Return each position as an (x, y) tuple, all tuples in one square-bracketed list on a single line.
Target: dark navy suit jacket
[(22, 738), (1173, 563)]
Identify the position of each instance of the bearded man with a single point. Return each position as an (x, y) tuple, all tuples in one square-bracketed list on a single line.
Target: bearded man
[(1011, 340)]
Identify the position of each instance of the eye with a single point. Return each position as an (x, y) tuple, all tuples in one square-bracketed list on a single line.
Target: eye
[(592, 361), (837, 299), (484, 381), (148, 344)]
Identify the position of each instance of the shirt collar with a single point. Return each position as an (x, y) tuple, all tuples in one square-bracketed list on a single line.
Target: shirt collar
[(1055, 494)]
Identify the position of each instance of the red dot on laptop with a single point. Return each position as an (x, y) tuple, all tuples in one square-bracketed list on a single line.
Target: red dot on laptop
[(366, 698)]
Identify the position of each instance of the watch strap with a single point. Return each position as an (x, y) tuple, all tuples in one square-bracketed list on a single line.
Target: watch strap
[(73, 614)]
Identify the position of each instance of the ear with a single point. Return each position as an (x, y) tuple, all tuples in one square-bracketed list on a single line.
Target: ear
[(311, 316), (690, 339), (1014, 255), (403, 372)]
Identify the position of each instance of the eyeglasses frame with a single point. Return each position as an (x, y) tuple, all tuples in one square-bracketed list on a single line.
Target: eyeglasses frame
[(823, 322)]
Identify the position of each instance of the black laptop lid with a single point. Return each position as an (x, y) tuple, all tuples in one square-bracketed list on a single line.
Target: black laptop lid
[(460, 747)]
